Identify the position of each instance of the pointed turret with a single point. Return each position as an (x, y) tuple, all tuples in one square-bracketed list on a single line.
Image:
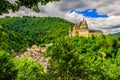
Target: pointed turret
[(84, 24), (83, 19), (81, 29)]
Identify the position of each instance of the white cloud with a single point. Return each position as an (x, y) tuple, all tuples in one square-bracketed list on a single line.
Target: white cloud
[(104, 24), (61, 9), (73, 17), (22, 12), (51, 9)]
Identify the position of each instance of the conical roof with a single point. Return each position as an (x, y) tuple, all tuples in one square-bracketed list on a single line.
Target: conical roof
[(77, 26), (83, 24)]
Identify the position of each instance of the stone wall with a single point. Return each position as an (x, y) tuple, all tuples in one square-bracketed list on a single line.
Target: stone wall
[(95, 34), (81, 29)]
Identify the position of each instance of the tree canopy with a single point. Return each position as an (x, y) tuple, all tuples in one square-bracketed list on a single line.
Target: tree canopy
[(16, 33), (75, 58), (82, 58), (6, 5)]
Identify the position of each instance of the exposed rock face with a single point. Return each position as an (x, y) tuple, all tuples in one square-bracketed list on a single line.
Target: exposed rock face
[(36, 53)]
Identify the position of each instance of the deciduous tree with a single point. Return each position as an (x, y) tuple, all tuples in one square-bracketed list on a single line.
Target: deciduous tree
[(6, 5)]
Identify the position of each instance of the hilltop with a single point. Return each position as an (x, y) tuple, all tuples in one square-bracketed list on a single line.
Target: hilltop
[(36, 30), (116, 34)]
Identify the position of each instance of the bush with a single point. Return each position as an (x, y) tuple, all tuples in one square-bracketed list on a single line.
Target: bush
[(29, 70), (7, 67)]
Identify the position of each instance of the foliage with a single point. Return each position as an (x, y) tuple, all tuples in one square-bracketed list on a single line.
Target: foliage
[(7, 67), (20, 69), (6, 5), (29, 70), (10, 39), (81, 58), (27, 31), (93, 58)]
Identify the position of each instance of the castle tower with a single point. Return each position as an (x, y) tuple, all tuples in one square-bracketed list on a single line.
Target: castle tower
[(76, 27), (84, 31), (81, 29), (84, 24)]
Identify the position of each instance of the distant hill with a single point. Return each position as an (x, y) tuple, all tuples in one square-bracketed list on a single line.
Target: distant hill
[(37, 30), (116, 34)]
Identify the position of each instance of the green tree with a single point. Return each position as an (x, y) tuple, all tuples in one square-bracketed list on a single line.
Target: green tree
[(7, 67), (64, 60), (80, 58), (29, 70), (6, 5), (10, 39)]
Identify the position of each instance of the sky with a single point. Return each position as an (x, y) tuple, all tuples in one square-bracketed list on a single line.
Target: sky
[(101, 15)]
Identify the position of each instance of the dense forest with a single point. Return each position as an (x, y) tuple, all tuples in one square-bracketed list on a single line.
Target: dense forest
[(93, 58), (31, 30)]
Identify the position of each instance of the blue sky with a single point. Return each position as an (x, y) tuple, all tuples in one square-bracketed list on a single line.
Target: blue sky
[(90, 13), (102, 15)]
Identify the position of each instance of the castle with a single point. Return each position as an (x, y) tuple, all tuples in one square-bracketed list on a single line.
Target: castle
[(81, 29)]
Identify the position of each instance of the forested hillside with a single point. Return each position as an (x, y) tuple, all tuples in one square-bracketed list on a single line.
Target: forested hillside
[(10, 39), (70, 58), (35, 30)]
